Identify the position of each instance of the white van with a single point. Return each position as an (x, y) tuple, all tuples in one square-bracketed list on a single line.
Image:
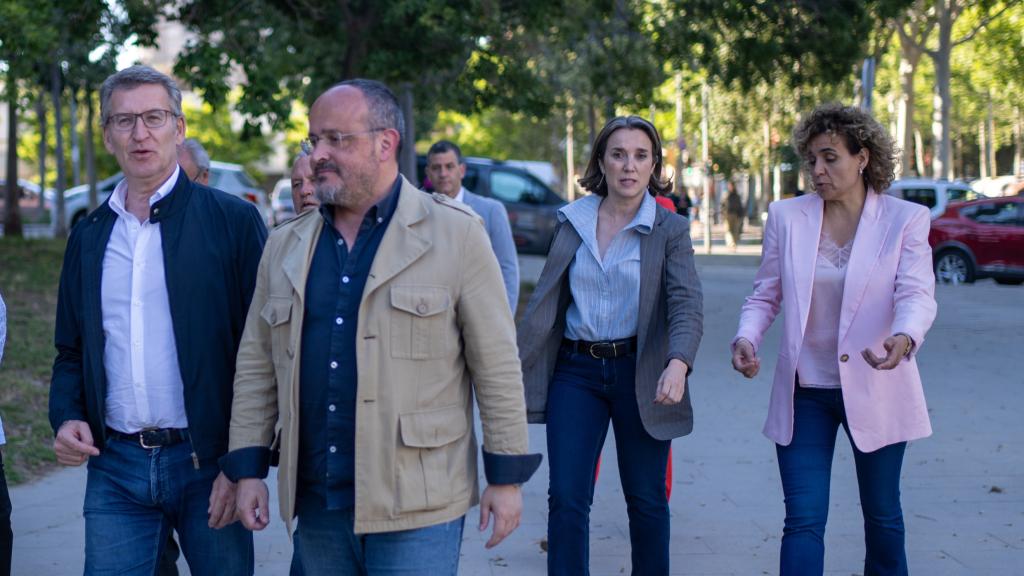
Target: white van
[(933, 194)]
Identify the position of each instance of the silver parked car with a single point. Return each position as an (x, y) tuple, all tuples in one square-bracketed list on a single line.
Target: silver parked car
[(230, 178)]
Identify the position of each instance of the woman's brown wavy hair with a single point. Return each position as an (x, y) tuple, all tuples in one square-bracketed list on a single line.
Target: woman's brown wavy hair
[(858, 130)]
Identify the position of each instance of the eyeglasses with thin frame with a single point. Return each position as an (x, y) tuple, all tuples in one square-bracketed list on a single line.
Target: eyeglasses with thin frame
[(125, 122), (334, 139)]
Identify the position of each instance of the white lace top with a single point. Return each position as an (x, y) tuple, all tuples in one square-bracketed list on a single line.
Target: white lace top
[(818, 365)]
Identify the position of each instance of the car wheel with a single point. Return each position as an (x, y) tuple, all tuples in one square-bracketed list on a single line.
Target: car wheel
[(953, 267), (1010, 281)]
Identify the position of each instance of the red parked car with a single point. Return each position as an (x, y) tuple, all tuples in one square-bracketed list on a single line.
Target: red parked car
[(980, 239)]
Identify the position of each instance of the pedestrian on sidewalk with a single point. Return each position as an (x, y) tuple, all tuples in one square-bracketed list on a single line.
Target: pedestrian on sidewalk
[(734, 212), (6, 535), (852, 271), (153, 295), (376, 321), (610, 334)]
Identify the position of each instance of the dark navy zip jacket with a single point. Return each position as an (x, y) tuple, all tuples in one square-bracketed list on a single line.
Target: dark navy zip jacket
[(212, 243)]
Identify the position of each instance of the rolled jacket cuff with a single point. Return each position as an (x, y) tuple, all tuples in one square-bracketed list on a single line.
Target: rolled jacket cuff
[(679, 356), (510, 468), (251, 462)]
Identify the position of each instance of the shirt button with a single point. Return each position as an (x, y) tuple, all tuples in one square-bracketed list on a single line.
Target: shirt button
[(339, 321), (344, 279), (333, 364), (341, 242), (844, 357), (379, 220), (333, 449), (332, 408)]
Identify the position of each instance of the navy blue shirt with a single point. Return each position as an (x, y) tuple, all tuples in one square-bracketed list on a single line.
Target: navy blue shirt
[(327, 364)]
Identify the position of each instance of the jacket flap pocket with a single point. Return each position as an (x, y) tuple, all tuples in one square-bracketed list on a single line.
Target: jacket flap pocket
[(277, 311), (433, 428), (420, 300)]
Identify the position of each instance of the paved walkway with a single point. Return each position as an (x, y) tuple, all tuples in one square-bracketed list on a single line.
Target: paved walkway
[(963, 488)]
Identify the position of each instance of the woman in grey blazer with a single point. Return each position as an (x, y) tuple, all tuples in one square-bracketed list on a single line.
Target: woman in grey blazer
[(610, 334)]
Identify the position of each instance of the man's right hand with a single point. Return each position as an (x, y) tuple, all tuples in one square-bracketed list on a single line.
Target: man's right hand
[(74, 444), (253, 503)]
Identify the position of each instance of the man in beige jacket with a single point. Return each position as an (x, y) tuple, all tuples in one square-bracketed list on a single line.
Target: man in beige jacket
[(374, 322)]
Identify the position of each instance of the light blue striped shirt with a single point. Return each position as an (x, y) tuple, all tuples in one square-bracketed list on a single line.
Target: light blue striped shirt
[(605, 293)]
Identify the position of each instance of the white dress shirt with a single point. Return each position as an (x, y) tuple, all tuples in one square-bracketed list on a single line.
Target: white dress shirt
[(144, 386)]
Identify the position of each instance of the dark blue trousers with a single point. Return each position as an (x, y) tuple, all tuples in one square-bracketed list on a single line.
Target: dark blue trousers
[(585, 394), (806, 469)]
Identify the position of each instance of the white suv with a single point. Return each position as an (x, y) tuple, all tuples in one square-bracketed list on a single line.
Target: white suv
[(230, 178), (933, 194)]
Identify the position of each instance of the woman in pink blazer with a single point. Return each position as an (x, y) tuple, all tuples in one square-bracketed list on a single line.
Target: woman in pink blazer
[(851, 270)]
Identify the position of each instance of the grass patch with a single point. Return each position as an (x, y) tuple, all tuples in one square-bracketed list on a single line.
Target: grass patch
[(29, 274)]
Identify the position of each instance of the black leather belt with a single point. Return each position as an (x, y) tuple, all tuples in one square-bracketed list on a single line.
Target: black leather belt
[(607, 349), (152, 438)]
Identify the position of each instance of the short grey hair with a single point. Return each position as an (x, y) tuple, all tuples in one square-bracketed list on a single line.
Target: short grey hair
[(385, 112), (133, 77), (198, 153)]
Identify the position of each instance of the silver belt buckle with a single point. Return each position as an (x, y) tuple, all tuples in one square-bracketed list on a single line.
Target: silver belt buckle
[(142, 440)]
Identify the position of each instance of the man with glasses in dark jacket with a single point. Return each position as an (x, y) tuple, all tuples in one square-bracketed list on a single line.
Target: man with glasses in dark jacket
[(153, 294)]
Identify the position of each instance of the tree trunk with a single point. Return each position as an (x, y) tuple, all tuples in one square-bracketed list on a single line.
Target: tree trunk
[(90, 150), (570, 151), (41, 118), (61, 225), (707, 183), (919, 152), (990, 139), (407, 157), (680, 189), (983, 152), (12, 212), (1018, 144), (941, 158), (76, 164), (766, 164), (910, 55)]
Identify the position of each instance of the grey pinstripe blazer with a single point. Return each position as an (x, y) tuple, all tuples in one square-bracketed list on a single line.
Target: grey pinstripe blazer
[(670, 321)]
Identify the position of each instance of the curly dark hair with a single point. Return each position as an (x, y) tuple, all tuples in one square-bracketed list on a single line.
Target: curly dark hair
[(593, 179), (858, 130)]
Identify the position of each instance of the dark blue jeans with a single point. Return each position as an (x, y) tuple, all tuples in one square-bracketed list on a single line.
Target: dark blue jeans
[(585, 394), (135, 496), (806, 469), (326, 545)]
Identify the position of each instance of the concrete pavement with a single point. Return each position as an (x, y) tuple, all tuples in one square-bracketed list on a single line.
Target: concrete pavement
[(963, 488)]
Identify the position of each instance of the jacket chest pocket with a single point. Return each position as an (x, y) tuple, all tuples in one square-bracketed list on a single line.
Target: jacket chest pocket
[(277, 313), (431, 467), (421, 322)]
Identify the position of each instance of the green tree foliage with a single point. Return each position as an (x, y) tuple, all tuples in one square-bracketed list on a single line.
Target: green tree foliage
[(456, 54), (801, 42)]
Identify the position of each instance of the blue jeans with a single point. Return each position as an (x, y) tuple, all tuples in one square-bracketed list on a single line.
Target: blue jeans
[(326, 544), (806, 469), (135, 496), (586, 393)]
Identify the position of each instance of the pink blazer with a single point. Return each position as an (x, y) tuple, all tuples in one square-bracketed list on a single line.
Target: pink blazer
[(890, 288)]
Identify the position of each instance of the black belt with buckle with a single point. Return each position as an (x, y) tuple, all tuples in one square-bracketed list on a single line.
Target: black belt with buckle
[(606, 349), (152, 438)]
